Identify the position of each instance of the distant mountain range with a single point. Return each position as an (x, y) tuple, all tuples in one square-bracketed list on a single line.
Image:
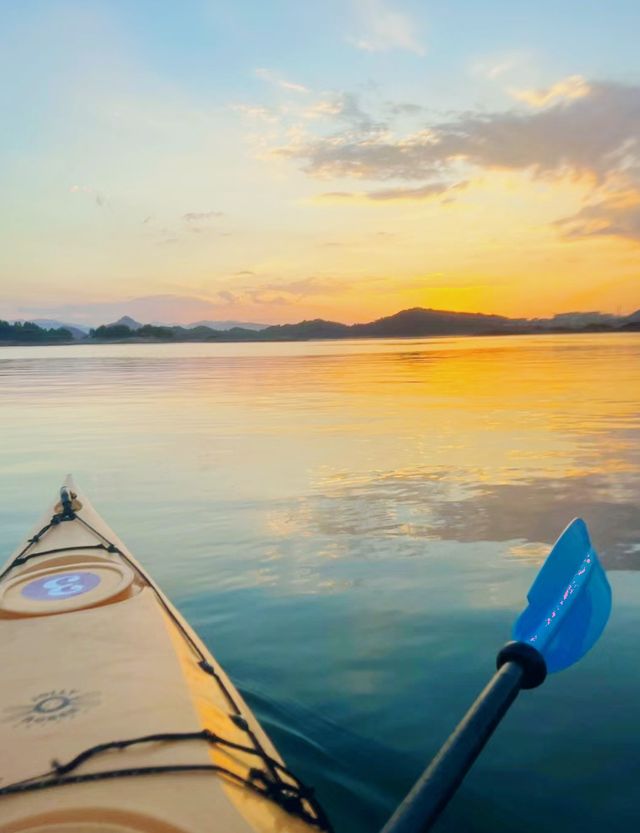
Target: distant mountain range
[(127, 321), (76, 330), (410, 323), (79, 331), (228, 325)]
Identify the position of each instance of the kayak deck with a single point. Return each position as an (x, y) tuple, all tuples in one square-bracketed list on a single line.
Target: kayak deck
[(115, 713)]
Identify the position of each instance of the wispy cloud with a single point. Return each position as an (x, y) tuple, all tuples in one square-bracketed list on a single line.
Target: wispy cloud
[(256, 112), (326, 107), (201, 216), (567, 89), (294, 291), (496, 66), (615, 216), (423, 192), (345, 108), (383, 27), (578, 129), (548, 140), (277, 80), (404, 108)]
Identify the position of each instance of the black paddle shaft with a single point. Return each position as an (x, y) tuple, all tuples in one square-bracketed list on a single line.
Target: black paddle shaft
[(519, 666)]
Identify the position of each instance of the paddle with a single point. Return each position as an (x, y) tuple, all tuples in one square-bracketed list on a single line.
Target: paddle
[(569, 604)]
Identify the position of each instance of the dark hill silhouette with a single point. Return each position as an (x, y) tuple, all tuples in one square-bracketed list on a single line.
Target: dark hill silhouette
[(426, 322), (226, 325), (126, 321), (318, 328)]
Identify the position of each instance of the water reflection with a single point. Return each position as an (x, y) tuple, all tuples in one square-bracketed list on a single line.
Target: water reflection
[(441, 506), (494, 439)]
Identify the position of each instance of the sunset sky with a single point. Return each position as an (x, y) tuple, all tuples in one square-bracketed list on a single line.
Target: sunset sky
[(275, 160)]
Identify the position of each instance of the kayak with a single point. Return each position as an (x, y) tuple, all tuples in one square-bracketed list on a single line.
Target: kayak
[(114, 716)]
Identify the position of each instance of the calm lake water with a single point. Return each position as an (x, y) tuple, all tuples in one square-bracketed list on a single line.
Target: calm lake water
[(352, 527)]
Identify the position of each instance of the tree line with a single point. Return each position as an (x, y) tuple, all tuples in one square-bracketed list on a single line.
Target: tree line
[(29, 333), (118, 331)]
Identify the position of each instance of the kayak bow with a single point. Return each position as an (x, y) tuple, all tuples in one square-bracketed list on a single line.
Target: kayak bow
[(117, 718)]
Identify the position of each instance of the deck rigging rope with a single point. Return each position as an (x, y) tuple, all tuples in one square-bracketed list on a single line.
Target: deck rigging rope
[(293, 796)]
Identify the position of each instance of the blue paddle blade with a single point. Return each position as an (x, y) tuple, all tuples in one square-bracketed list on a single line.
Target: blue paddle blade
[(569, 602)]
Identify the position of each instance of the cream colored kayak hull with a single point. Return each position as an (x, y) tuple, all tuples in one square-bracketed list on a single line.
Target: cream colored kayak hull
[(91, 653)]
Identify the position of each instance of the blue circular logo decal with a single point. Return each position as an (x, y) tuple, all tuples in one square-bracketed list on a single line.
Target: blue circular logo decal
[(60, 586)]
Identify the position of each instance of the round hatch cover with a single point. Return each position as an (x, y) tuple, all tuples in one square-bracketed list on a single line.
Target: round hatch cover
[(60, 589), (61, 586)]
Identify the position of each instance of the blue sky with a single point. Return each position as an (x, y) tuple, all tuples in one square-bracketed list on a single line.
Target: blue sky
[(237, 155)]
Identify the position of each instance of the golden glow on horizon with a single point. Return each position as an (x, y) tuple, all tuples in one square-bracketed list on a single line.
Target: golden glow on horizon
[(492, 246), (492, 249)]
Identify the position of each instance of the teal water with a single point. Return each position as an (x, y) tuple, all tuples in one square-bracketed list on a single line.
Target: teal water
[(352, 527)]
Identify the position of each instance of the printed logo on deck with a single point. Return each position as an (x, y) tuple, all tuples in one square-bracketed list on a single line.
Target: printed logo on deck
[(60, 586), (49, 706)]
